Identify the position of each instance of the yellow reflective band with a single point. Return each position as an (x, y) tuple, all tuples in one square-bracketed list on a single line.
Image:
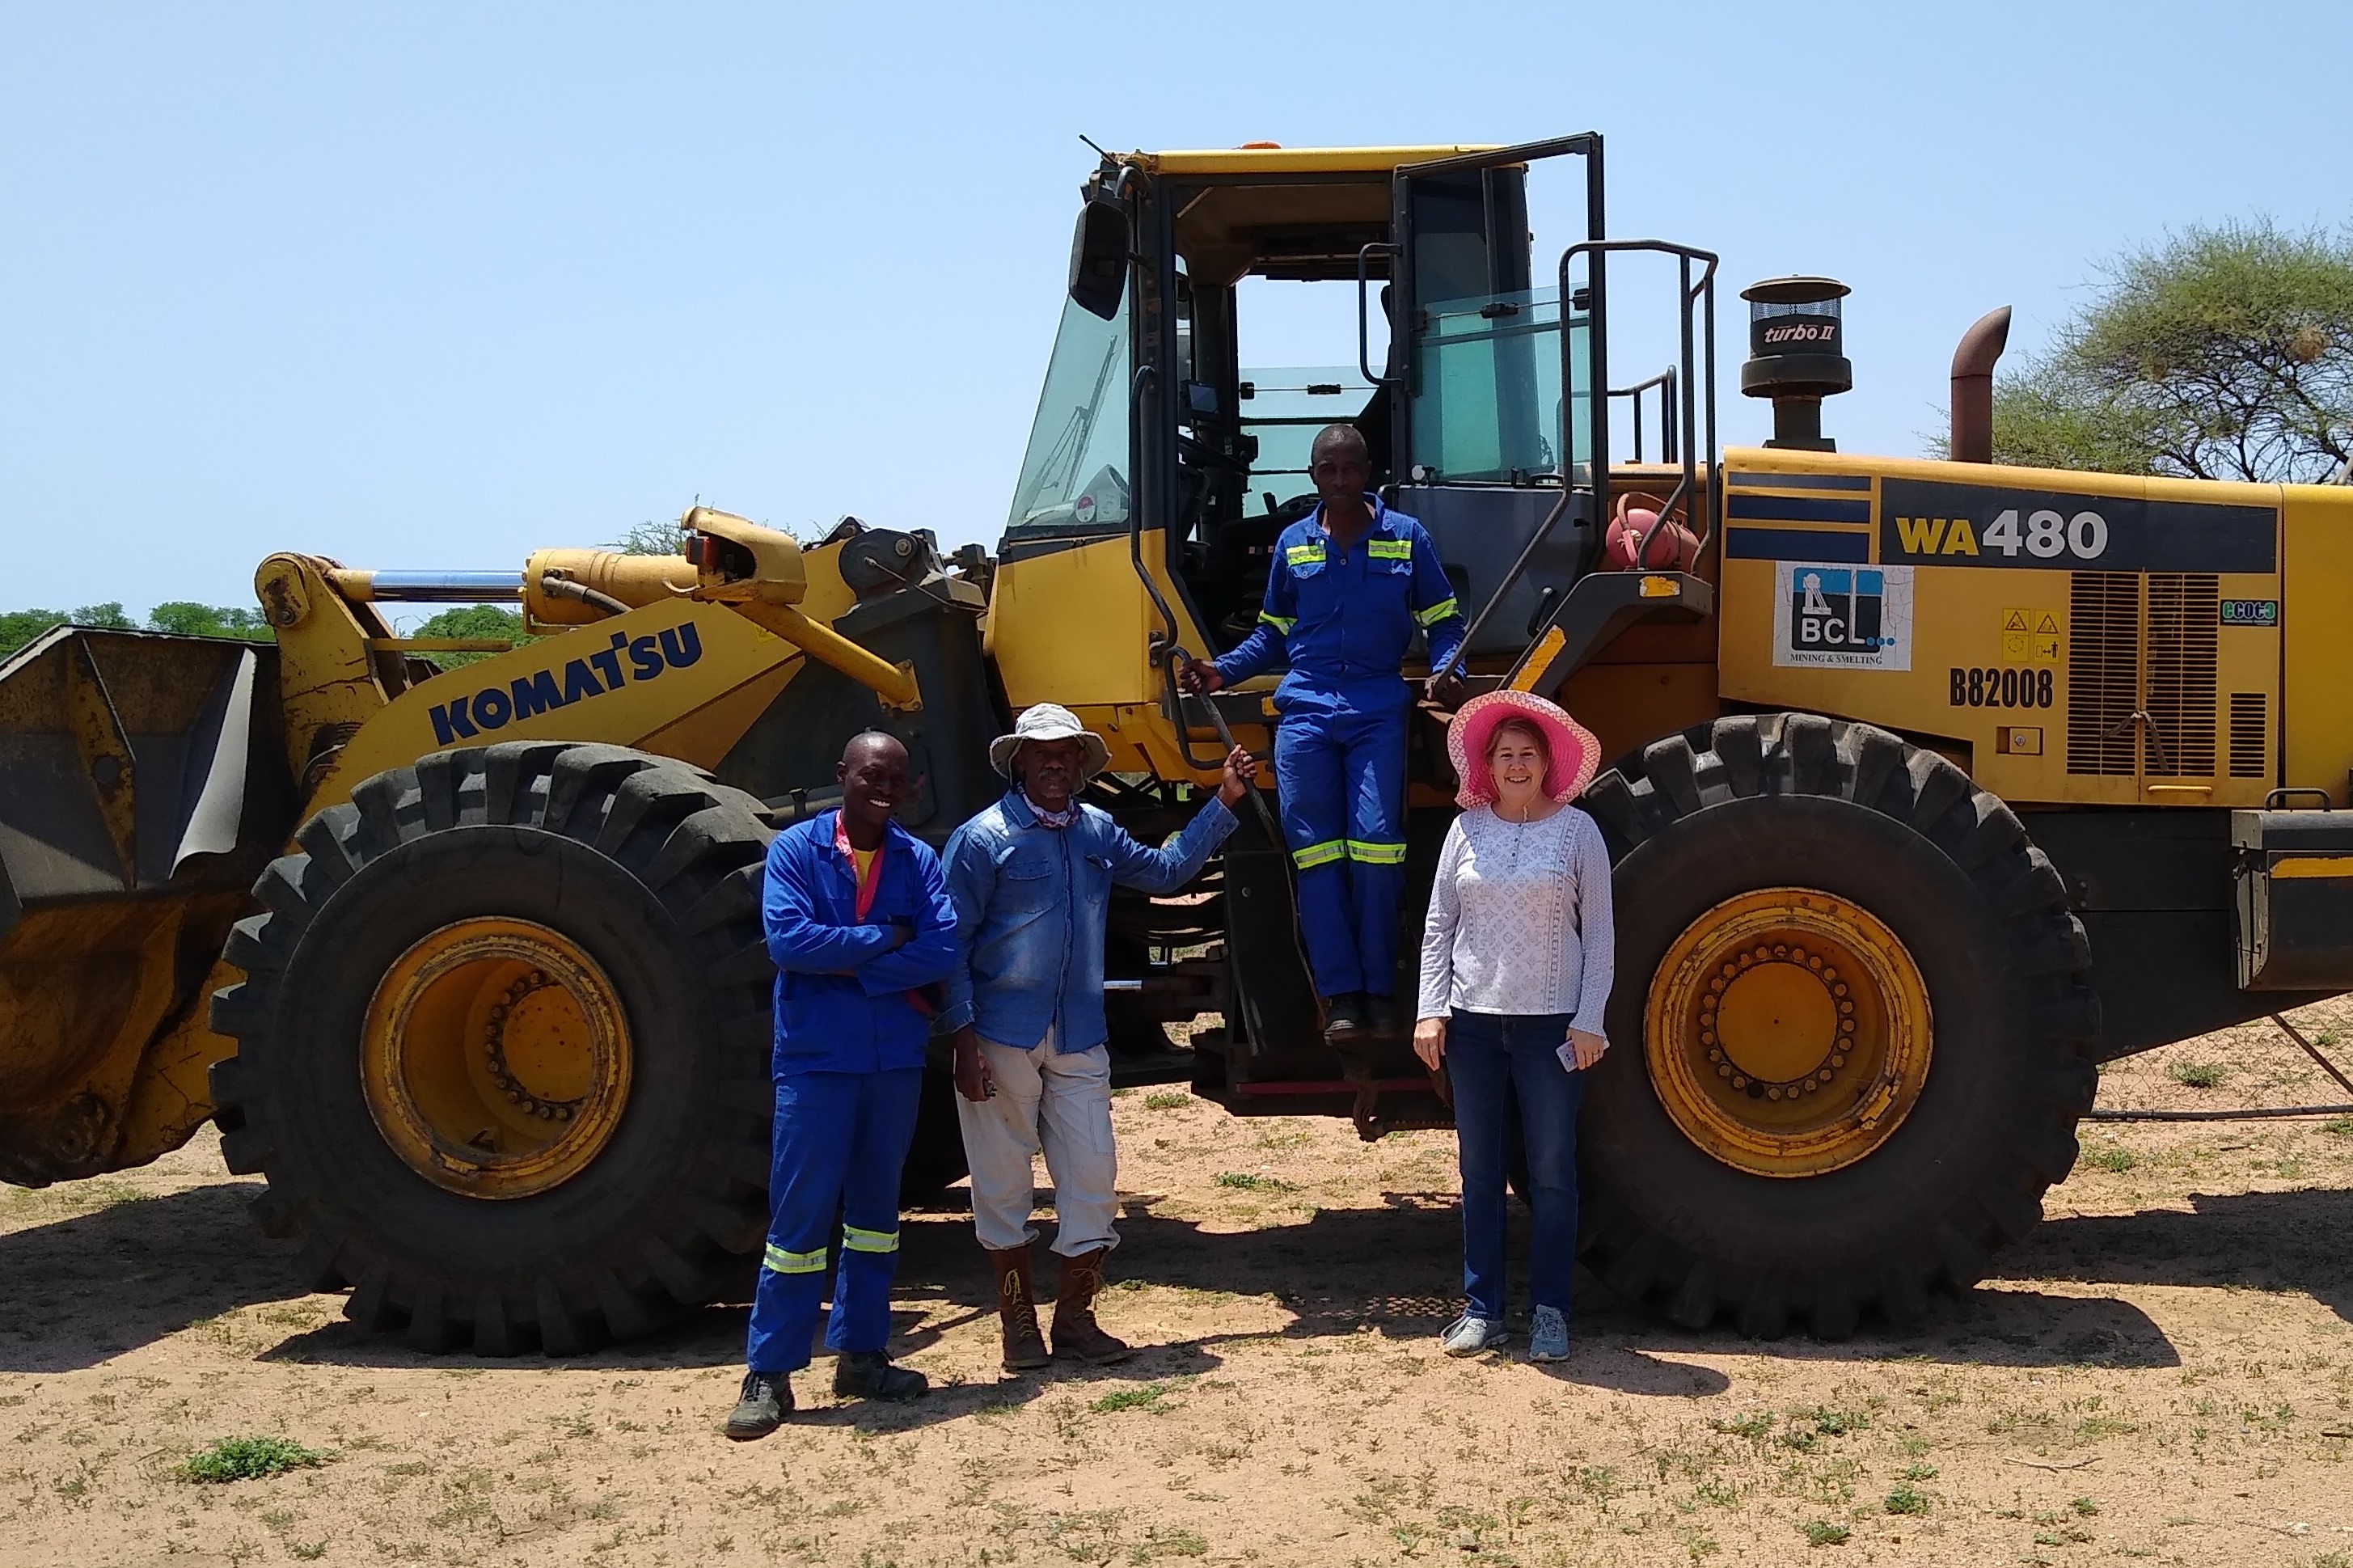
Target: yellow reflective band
[(1375, 855), (1389, 549), (857, 1240), (1314, 855), (779, 1261), (1283, 623), (1302, 554), (1436, 612)]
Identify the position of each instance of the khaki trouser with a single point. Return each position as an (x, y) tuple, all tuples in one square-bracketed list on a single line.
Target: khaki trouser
[(1056, 1104)]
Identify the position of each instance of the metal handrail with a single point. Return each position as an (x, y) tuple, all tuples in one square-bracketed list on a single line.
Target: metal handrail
[(1665, 380), (1701, 293)]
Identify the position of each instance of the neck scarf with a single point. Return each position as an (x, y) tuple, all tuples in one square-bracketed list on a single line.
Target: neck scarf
[(1046, 819)]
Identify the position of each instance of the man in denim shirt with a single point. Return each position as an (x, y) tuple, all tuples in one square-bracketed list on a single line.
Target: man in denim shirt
[(1031, 878)]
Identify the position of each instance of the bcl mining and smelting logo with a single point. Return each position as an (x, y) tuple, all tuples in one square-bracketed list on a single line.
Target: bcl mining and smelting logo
[(1846, 617)]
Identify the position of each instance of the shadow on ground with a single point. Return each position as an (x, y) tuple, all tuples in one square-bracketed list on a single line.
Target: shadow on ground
[(2255, 1241), (83, 1289), (77, 1291)]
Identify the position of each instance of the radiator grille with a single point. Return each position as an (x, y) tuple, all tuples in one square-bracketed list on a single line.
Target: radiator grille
[(2103, 672), (2184, 627), (2250, 756)]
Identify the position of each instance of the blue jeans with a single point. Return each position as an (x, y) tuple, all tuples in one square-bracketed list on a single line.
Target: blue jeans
[(1493, 1060), (841, 1138)]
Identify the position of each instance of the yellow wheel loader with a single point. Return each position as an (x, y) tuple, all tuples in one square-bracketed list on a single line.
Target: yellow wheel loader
[(1936, 784)]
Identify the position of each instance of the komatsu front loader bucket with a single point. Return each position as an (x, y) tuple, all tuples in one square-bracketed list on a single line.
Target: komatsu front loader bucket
[(142, 790)]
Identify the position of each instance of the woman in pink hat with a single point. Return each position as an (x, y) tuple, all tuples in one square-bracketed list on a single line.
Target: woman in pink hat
[(1516, 964)]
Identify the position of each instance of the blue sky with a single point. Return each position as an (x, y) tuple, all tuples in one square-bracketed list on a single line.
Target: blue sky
[(434, 285)]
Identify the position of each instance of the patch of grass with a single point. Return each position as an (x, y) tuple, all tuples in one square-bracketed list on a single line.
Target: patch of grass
[(307, 1550), (1808, 1425), (2112, 1157), (1167, 1100), (1918, 1473), (1379, 1500), (2084, 1506), (1092, 1536), (1822, 1532), (2195, 1075), (1173, 1541), (1754, 1426), (1906, 1499), (1247, 1181), (2093, 1427), (248, 1459), (2341, 1126), (1147, 1398)]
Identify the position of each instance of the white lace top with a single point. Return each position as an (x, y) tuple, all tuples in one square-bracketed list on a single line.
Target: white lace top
[(1519, 919)]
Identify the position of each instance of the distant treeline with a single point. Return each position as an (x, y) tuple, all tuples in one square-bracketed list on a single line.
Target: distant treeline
[(189, 619)]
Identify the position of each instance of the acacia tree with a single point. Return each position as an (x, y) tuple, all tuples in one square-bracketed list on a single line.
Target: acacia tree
[(2224, 352)]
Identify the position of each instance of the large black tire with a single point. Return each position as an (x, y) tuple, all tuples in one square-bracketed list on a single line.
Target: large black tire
[(1796, 800), (654, 870), (935, 1157)]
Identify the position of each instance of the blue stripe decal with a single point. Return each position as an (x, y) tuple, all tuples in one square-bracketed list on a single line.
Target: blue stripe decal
[(1794, 545), (1799, 508), (1803, 480)]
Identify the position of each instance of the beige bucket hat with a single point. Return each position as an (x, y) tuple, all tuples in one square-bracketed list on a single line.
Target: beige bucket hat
[(1048, 721)]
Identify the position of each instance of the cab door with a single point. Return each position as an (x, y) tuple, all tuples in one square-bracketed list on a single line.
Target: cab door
[(1491, 374)]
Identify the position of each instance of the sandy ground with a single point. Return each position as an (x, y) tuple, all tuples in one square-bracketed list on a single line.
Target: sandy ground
[(2164, 1371)]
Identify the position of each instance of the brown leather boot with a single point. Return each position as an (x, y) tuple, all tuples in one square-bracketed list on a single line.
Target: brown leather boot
[(1077, 1336), (1016, 1312)]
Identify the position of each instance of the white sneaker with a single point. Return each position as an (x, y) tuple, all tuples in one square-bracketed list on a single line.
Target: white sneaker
[(1467, 1335), (1548, 1335)]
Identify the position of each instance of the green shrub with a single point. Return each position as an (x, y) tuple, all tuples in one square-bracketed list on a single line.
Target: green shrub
[(1146, 1399), (248, 1459)]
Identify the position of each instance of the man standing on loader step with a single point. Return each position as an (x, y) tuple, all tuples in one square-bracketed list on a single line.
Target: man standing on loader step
[(1031, 878), (859, 924), (1349, 586)]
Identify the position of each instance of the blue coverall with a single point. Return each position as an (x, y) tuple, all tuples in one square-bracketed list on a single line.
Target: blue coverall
[(1344, 618), (849, 1064)]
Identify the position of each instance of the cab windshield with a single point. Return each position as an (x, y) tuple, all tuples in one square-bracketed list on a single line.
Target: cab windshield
[(1074, 473)]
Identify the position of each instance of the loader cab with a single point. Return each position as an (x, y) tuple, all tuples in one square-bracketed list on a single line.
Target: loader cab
[(1183, 394)]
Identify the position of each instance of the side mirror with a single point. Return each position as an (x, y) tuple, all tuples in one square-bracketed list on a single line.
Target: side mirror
[(1099, 256)]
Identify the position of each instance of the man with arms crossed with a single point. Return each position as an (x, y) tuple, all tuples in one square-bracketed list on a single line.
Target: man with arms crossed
[(858, 923)]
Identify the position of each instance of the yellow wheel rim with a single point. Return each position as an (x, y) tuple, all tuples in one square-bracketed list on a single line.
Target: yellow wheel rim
[(1788, 1032), (496, 1058)]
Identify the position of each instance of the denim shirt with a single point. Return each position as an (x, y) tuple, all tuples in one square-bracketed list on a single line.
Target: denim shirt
[(1032, 907)]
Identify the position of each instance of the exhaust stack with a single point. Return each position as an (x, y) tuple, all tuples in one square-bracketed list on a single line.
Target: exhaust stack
[(1973, 363)]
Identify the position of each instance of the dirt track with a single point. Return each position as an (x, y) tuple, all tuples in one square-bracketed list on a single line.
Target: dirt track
[(2164, 1371)]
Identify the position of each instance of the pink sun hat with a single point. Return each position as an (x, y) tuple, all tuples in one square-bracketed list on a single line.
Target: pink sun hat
[(1572, 752)]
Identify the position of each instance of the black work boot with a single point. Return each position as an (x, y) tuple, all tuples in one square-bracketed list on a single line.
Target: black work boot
[(868, 1374), (766, 1400), (1343, 1016), (1380, 1014)]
